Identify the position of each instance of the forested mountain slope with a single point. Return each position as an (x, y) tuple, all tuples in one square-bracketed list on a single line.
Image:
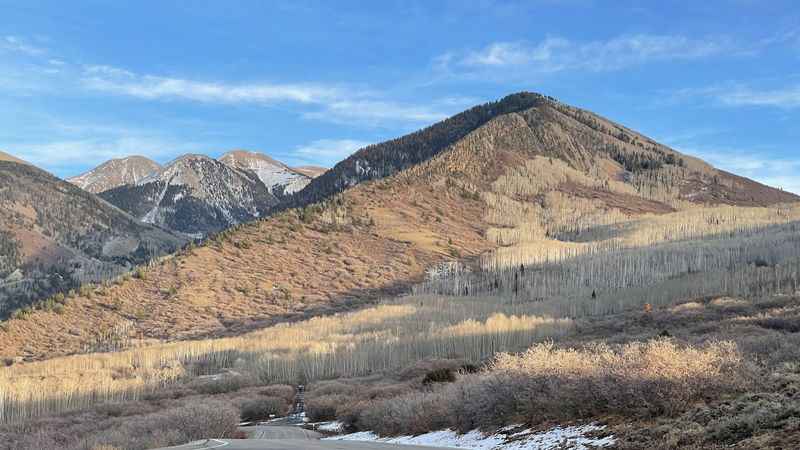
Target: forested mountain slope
[(522, 180), (54, 236)]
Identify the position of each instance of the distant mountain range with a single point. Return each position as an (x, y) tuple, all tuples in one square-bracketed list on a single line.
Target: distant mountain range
[(196, 195), (56, 236)]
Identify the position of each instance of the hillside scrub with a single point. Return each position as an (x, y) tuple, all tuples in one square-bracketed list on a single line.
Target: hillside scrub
[(264, 408), (126, 428), (546, 383)]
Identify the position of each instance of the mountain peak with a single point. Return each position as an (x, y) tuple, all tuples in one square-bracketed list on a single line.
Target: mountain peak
[(195, 195), (488, 140), (189, 157), (233, 157), (384, 159), (280, 179), (116, 172)]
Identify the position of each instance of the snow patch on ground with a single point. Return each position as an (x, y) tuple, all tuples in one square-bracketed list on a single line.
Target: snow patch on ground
[(575, 437), (330, 427)]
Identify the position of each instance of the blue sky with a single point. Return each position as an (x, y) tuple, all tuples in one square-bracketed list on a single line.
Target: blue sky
[(310, 82)]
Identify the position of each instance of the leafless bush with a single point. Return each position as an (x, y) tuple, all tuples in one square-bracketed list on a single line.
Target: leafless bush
[(323, 388), (411, 414), (325, 407), (191, 422), (345, 401), (283, 391), (220, 386), (131, 427), (787, 324), (421, 368), (546, 383), (439, 376), (384, 391), (263, 408)]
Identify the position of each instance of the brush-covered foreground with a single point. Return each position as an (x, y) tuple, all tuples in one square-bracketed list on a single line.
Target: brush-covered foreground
[(714, 373), (709, 373), (632, 333)]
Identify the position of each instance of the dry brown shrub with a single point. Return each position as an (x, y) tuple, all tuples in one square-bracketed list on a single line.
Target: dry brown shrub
[(264, 408), (324, 388), (134, 427), (201, 419), (387, 391), (283, 391), (325, 407), (412, 414), (656, 377), (546, 383), (423, 367)]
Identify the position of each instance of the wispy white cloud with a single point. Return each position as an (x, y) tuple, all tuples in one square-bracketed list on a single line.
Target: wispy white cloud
[(740, 94), (375, 112), (122, 82), (325, 151), (20, 45), (763, 166), (67, 148), (746, 96), (556, 54), (60, 155), (332, 102)]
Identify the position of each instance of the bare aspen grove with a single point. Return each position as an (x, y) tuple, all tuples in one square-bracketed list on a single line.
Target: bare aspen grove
[(385, 337)]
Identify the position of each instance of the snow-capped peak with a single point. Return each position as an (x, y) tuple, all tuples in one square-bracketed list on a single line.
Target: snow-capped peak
[(115, 173), (279, 178)]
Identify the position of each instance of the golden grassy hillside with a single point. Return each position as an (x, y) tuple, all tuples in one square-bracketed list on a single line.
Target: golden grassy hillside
[(371, 242)]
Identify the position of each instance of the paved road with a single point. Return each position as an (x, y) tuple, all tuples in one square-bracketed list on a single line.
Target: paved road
[(294, 444), (298, 439), (279, 432)]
